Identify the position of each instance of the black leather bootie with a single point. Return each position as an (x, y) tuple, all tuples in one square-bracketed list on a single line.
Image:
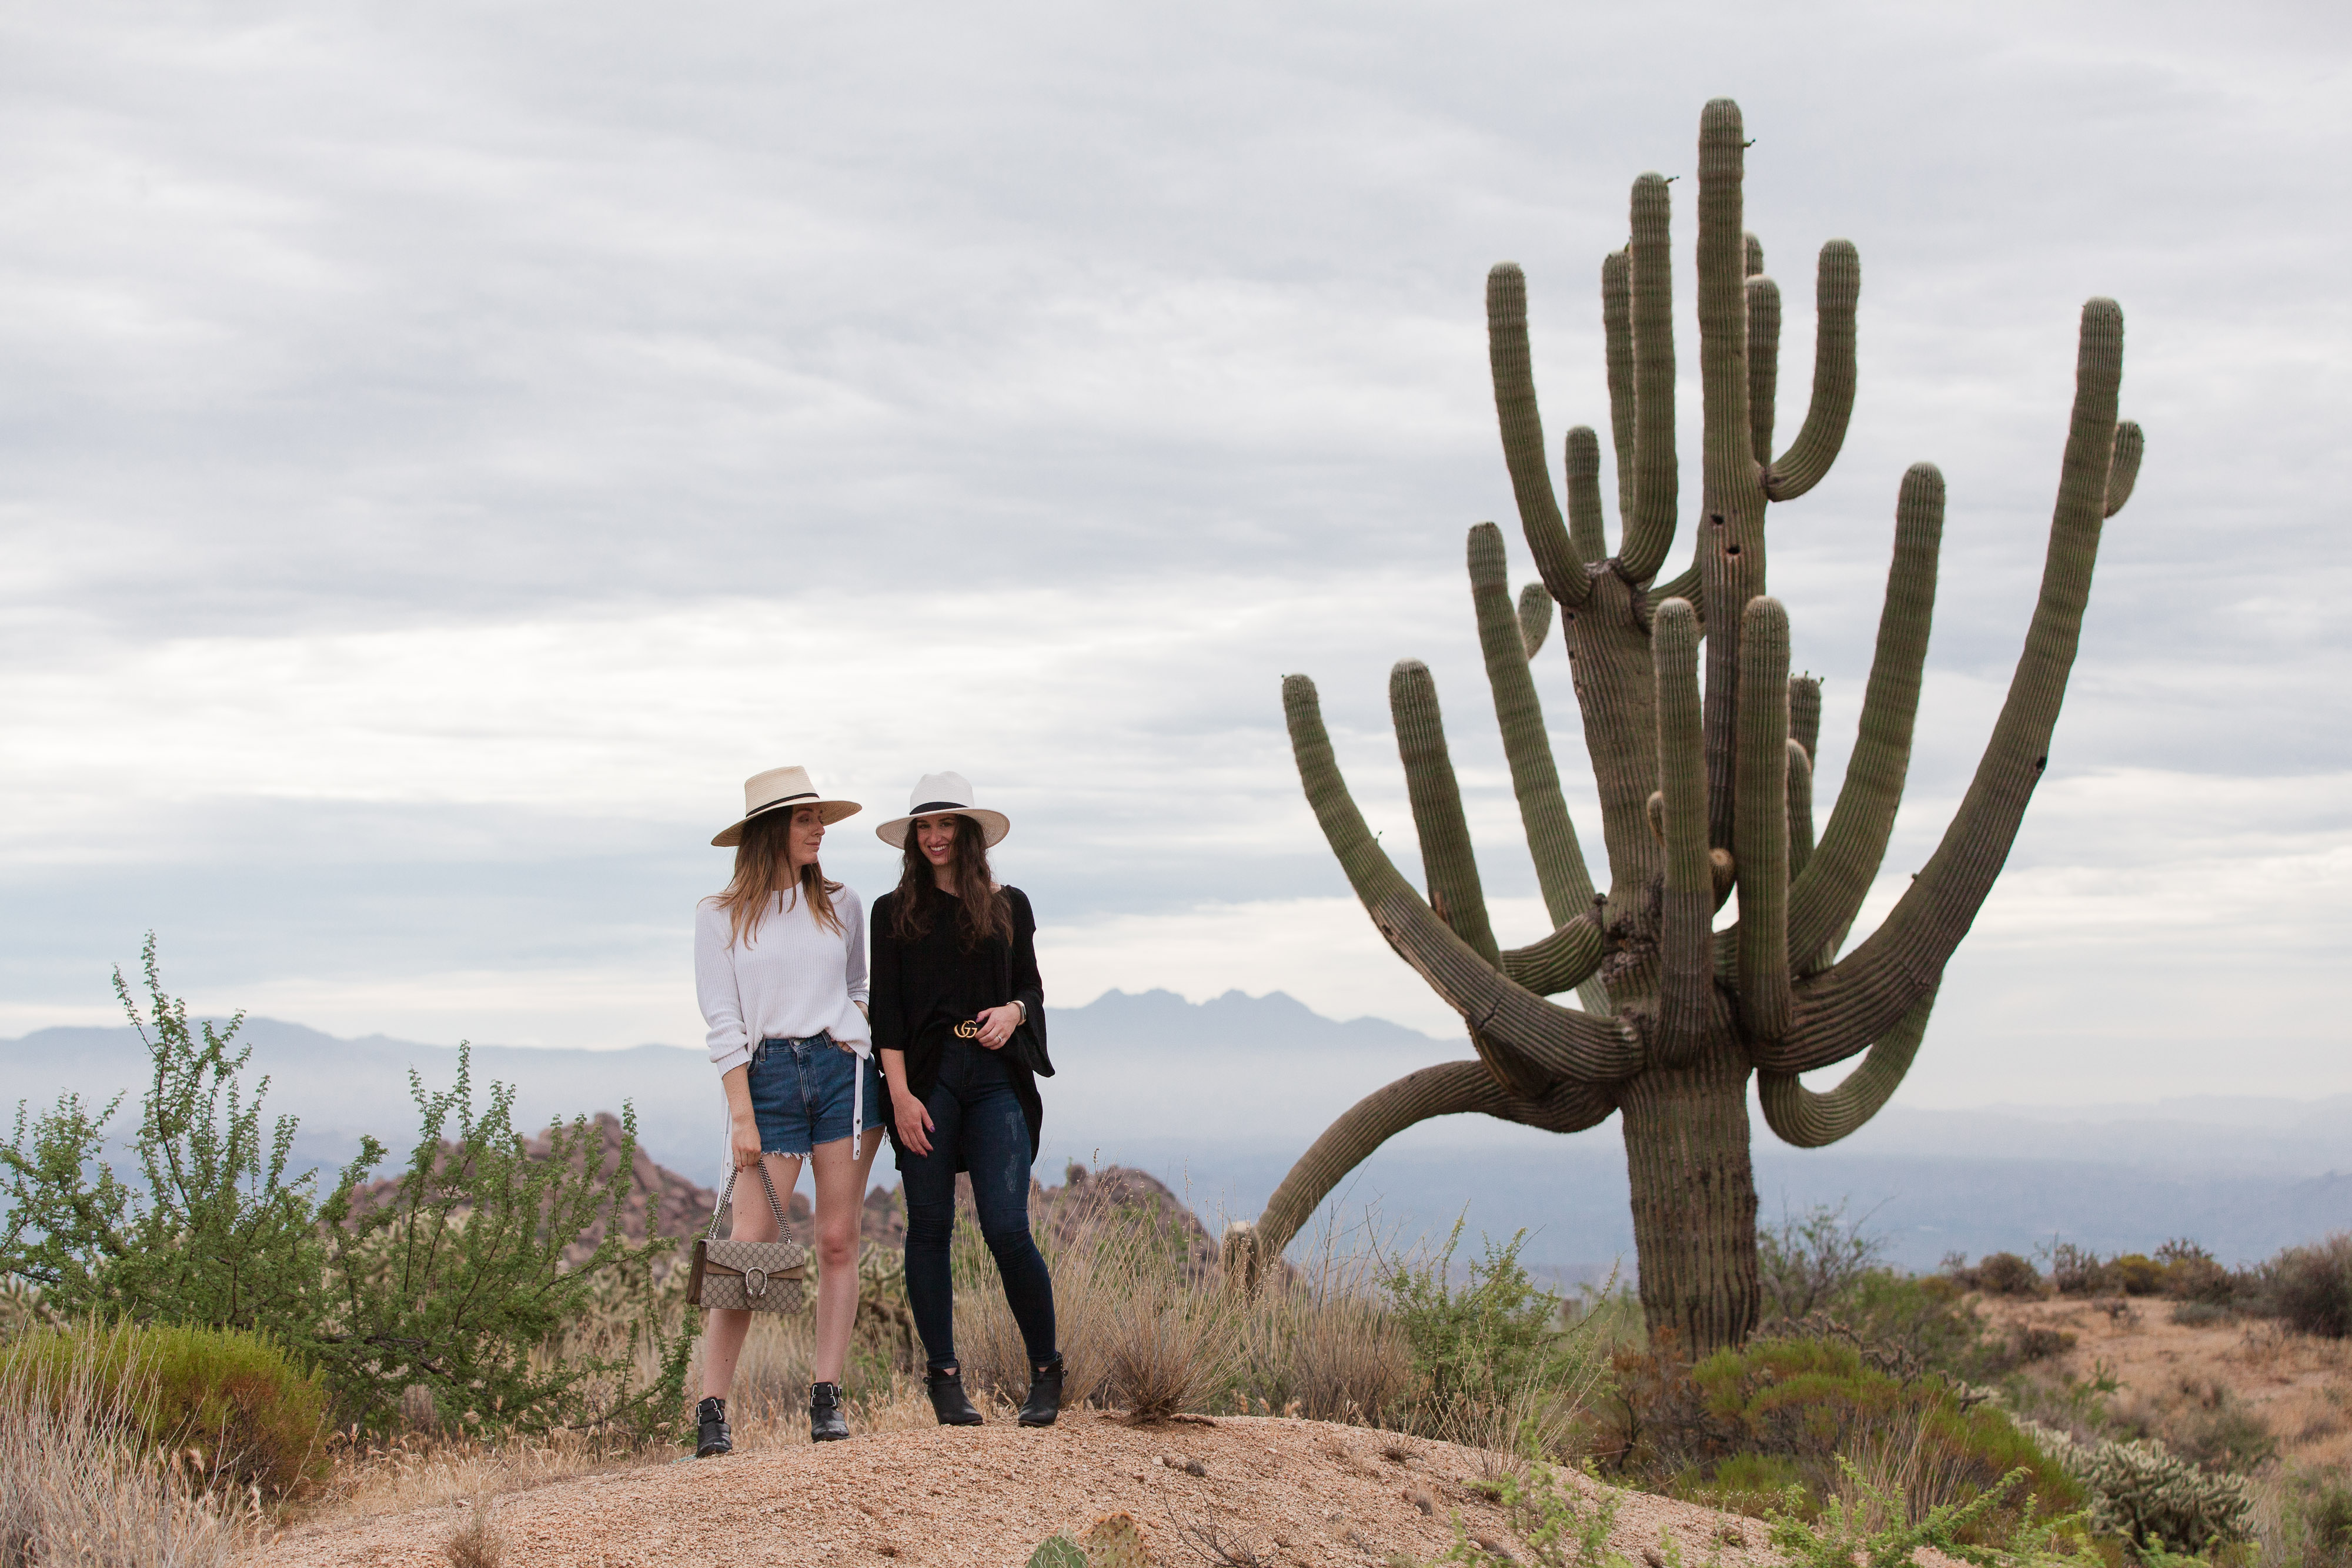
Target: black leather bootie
[(826, 1425), (949, 1402), (1045, 1401), (711, 1437)]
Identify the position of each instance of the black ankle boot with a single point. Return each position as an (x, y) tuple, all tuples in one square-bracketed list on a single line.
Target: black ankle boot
[(711, 1437), (948, 1400), (1045, 1401), (826, 1425)]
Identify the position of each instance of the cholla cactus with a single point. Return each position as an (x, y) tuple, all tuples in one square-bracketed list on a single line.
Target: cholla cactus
[(1705, 786), (2152, 1497)]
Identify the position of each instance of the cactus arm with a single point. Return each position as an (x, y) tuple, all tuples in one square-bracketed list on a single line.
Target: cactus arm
[(1450, 1089), (1616, 695), (2130, 444), (1521, 425), (1534, 618), (1809, 1120), (1518, 713), (1760, 846), (1846, 1008), (1800, 809), (1533, 1040), (1805, 712), (1689, 588), (1763, 361), (1831, 889), (1685, 945), (1837, 287), (1731, 534), (1447, 857), (1649, 527), (1752, 257), (1617, 336), (1562, 961), (1587, 531)]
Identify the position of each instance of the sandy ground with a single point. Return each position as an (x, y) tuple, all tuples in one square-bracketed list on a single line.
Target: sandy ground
[(2300, 1387), (1293, 1492)]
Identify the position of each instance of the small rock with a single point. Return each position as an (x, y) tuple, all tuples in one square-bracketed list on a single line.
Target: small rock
[(1419, 1499), (1488, 1543), (1195, 1468), (1654, 1557)]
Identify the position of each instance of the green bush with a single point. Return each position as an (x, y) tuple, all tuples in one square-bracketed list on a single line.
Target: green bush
[(2135, 1274), (2000, 1275), (1745, 1424), (1809, 1263), (2193, 1274), (1483, 1343), (232, 1408), (2310, 1288), (457, 1278)]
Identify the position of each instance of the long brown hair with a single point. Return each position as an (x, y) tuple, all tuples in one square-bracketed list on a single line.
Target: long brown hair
[(984, 910), (763, 860)]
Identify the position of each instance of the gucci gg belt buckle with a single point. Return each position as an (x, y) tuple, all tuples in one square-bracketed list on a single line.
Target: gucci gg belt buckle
[(967, 1029)]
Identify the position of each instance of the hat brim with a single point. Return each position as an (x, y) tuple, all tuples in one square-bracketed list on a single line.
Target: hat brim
[(993, 825), (834, 810)]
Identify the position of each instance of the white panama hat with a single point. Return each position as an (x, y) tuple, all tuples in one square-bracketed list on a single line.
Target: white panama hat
[(939, 794), (782, 790)]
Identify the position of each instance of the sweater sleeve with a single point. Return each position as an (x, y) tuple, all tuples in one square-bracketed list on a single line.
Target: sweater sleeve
[(887, 1010), (714, 987)]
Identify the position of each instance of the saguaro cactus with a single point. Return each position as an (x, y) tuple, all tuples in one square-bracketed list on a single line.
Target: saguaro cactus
[(1705, 786)]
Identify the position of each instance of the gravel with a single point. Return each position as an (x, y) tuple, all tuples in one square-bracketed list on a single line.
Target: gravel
[(1290, 1492)]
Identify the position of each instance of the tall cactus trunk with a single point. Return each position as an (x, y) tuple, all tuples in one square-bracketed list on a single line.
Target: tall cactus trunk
[(1694, 1198)]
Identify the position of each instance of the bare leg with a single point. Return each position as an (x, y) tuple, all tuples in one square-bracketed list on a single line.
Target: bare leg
[(840, 1202), (722, 1342)]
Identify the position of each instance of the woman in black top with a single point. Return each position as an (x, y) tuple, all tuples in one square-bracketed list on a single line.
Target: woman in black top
[(959, 1021)]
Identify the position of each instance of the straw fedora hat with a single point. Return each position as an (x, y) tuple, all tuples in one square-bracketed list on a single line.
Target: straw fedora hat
[(781, 790), (939, 795)]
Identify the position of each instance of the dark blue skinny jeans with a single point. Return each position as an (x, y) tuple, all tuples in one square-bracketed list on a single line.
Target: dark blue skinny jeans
[(974, 1116)]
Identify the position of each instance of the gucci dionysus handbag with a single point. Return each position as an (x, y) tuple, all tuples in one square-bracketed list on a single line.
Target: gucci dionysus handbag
[(748, 1275)]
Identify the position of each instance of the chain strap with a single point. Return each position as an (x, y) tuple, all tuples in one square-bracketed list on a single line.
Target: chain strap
[(726, 1195)]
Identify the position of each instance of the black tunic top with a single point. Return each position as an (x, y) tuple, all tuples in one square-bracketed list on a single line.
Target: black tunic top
[(923, 988)]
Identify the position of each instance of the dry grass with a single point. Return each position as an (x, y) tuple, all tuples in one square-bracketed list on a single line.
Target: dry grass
[(476, 1542), (72, 1496)]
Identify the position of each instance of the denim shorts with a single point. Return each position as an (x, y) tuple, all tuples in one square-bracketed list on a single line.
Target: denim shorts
[(801, 1092)]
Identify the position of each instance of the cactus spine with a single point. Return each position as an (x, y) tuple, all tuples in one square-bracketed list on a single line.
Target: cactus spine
[(1703, 745)]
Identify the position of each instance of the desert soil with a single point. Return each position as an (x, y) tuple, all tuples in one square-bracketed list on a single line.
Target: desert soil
[(1292, 1491), (2300, 1387)]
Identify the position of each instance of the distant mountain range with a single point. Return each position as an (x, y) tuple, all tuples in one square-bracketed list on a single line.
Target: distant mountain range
[(1218, 1098)]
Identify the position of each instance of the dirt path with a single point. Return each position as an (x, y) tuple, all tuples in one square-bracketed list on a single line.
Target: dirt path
[(1294, 1492)]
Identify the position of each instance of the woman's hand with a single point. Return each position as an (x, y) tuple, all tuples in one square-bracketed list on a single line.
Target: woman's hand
[(914, 1123), (744, 1138), (997, 1024)]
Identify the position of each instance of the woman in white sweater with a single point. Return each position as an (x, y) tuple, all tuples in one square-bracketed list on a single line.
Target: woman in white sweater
[(780, 966)]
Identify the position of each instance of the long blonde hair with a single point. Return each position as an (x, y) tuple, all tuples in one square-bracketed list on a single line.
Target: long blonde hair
[(763, 858)]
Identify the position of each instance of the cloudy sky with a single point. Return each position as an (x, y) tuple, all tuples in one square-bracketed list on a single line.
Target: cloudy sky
[(445, 447)]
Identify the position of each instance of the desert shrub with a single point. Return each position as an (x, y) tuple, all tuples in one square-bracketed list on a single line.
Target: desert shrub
[(2326, 1521), (2034, 1343), (2153, 1498), (2135, 1274), (458, 1279), (1999, 1274), (2193, 1274), (1809, 1263), (231, 1405), (1906, 1325), (2202, 1314), (1490, 1344), (1325, 1345), (1743, 1425), (2077, 1271), (2310, 1288), (2221, 1434), (73, 1491)]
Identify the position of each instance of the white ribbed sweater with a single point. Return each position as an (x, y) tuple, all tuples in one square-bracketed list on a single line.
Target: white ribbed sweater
[(792, 979)]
